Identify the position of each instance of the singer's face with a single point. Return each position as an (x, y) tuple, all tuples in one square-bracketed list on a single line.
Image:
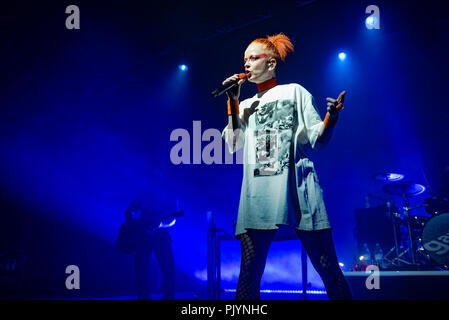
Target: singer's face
[(256, 62)]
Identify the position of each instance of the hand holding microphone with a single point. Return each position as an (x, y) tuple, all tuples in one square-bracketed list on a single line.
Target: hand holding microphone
[(231, 86)]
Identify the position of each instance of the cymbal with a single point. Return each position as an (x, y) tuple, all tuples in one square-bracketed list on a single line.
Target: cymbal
[(404, 188), (388, 176)]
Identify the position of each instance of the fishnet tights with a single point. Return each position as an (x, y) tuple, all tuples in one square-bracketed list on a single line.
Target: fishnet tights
[(254, 247), (321, 251), (320, 248)]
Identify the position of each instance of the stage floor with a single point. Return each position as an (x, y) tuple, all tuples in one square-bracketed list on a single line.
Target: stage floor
[(391, 285)]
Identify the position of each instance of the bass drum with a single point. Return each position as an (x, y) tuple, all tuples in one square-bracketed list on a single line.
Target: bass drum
[(435, 239)]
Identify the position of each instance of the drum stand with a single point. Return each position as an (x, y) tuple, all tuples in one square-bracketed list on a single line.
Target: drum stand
[(397, 259), (409, 229)]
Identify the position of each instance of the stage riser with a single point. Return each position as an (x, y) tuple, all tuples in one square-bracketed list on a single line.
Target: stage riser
[(401, 288)]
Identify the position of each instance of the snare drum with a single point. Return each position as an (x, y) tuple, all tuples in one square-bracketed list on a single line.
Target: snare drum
[(435, 239)]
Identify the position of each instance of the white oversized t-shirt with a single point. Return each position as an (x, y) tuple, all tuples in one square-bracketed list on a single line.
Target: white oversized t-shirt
[(280, 127)]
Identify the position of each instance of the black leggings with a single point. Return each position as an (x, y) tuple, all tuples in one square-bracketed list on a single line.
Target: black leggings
[(320, 249)]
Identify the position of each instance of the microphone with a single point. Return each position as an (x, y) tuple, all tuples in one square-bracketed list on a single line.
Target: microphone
[(228, 86)]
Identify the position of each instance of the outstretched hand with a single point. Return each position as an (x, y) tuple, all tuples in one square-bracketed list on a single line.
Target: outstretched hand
[(334, 106)]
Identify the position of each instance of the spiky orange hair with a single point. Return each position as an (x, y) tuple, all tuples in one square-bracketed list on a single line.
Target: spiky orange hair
[(279, 44)]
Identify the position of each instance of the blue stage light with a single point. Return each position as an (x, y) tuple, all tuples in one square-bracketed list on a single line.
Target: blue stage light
[(282, 291), (370, 22), (183, 67), (342, 56)]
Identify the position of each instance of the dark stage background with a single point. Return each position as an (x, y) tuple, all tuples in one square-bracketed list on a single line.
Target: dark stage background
[(86, 117)]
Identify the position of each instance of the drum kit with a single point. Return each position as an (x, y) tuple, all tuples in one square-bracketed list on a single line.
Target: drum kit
[(420, 242)]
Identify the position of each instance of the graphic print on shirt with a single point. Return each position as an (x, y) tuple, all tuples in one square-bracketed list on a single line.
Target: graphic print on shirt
[(273, 134)]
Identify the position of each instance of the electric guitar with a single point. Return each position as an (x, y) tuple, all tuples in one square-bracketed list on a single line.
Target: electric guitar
[(134, 229)]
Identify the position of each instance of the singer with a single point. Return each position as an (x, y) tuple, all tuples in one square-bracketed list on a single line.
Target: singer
[(278, 127)]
